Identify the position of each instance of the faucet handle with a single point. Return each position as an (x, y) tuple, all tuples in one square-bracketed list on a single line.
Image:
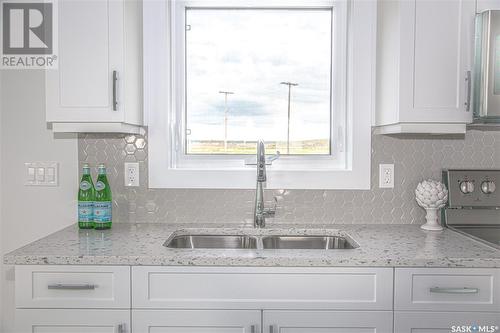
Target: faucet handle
[(270, 159), (271, 211)]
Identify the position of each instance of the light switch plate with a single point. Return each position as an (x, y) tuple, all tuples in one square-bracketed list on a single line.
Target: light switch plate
[(41, 173), (386, 176)]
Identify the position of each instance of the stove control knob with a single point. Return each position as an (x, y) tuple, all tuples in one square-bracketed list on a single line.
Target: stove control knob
[(488, 187), (467, 187)]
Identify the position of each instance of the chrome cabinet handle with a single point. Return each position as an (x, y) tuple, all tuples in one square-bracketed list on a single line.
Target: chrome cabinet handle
[(62, 286), (454, 290), (115, 97), (469, 90), (253, 329), (122, 328), (271, 328)]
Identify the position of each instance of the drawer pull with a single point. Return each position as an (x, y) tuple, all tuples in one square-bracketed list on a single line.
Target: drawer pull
[(253, 329), (60, 286), (454, 290), (122, 328), (469, 90), (115, 94)]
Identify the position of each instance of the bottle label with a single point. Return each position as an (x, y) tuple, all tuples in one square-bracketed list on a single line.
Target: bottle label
[(99, 186), (102, 211), (85, 211), (84, 185)]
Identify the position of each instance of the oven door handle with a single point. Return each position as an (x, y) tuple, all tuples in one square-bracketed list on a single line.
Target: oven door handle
[(440, 290)]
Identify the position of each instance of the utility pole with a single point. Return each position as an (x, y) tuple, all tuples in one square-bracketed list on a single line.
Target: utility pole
[(225, 115), (290, 85)]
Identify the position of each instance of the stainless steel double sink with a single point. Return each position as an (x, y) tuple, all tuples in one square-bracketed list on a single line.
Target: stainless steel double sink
[(312, 242)]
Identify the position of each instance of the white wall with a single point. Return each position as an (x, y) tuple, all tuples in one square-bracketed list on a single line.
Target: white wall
[(1, 242), (29, 213)]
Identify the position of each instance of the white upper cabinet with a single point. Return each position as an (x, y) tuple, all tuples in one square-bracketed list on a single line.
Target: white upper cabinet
[(483, 5), (98, 85), (424, 58)]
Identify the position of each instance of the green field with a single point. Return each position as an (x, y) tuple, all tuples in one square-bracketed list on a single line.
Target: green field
[(306, 147)]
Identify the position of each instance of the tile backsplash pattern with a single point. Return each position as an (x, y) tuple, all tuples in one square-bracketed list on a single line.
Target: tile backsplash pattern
[(415, 158)]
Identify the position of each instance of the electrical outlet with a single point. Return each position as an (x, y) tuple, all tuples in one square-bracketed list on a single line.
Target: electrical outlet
[(131, 174), (386, 176)]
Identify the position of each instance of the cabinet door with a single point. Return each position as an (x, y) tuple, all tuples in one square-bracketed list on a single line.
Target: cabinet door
[(72, 321), (443, 322), (90, 39), (322, 288), (436, 56), (483, 5), (77, 287), (447, 289), (327, 322), (196, 321)]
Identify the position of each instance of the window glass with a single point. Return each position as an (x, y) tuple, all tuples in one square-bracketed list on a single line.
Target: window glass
[(258, 74)]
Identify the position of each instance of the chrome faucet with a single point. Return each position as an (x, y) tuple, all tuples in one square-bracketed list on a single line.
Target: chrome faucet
[(260, 211)]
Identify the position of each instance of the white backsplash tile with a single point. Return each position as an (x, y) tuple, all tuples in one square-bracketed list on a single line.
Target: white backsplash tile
[(415, 158)]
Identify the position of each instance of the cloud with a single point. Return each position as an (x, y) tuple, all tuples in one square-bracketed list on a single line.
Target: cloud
[(250, 52)]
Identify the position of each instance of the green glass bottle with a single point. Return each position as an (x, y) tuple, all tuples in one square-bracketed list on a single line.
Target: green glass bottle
[(86, 200), (102, 202)]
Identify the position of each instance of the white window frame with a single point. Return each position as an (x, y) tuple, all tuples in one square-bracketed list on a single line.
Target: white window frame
[(164, 70)]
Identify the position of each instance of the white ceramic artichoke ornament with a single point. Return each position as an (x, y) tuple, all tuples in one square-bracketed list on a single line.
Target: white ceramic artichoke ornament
[(432, 196)]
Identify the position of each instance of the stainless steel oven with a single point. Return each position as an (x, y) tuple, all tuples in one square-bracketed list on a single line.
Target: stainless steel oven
[(474, 204)]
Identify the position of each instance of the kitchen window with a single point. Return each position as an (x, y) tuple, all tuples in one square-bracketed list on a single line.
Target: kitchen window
[(219, 75), (258, 73)]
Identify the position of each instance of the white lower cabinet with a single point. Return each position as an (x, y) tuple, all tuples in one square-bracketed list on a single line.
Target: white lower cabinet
[(66, 287), (444, 289), (445, 322), (327, 321), (249, 321), (155, 299), (72, 321), (443, 300), (196, 321), (265, 288)]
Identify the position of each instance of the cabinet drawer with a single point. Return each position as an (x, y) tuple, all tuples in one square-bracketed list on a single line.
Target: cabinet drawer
[(196, 321), (447, 289), (262, 288), (72, 287), (286, 321), (72, 321), (444, 322)]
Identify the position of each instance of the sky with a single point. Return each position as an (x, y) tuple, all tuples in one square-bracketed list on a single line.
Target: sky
[(249, 52)]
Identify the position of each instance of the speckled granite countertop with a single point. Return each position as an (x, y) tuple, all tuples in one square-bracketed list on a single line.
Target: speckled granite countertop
[(142, 244)]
